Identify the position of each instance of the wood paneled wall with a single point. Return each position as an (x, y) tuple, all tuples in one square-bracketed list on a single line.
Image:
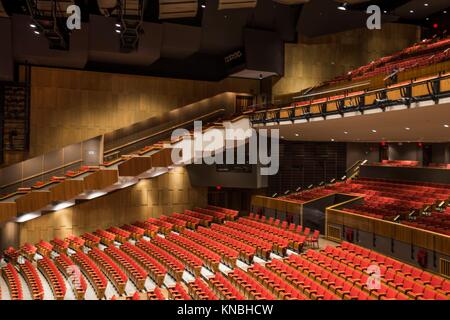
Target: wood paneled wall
[(171, 192), (69, 106), (314, 60)]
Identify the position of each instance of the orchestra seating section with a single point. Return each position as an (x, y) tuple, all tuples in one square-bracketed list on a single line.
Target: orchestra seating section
[(245, 257), (421, 205)]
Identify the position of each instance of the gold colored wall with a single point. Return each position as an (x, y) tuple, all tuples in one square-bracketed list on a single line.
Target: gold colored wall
[(165, 194), (314, 60), (69, 106)]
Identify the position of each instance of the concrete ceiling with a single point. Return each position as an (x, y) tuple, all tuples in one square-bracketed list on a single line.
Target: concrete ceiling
[(426, 124)]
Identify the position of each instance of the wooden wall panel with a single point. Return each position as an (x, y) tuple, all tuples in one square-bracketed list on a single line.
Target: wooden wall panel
[(67, 190), (162, 158), (8, 210), (100, 179), (69, 106), (314, 60), (148, 198), (33, 201), (135, 166)]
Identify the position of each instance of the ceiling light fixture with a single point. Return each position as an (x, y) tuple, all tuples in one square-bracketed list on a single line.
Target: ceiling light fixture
[(426, 4), (407, 128), (343, 6), (374, 131), (36, 32), (203, 6), (296, 134), (345, 132), (411, 11), (118, 25), (32, 25), (446, 125), (118, 31)]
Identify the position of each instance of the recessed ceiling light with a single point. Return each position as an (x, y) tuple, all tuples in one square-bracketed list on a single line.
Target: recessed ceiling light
[(118, 31), (428, 19), (407, 128), (425, 4), (446, 125), (411, 11), (203, 6), (385, 11), (37, 32), (374, 131), (345, 132), (282, 137), (118, 25), (296, 134), (445, 11), (32, 25), (343, 6)]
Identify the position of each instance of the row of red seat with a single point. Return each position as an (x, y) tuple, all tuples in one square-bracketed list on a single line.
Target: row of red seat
[(135, 232), (91, 240), (191, 222), (92, 272), (75, 242), (205, 219), (192, 262), (11, 277), (134, 271), (155, 294), (110, 268), (28, 250), (44, 248), (249, 287), (437, 283), (246, 252), (230, 214), (263, 247), (178, 224), (59, 245), (53, 276), (165, 226), (223, 288), (211, 260), (155, 269), (150, 230), (199, 290), (31, 276), (217, 216), (178, 293), (106, 237), (76, 280), (122, 236), (174, 266), (228, 255)]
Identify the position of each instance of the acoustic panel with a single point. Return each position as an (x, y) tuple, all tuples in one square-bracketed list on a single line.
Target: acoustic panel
[(169, 9)]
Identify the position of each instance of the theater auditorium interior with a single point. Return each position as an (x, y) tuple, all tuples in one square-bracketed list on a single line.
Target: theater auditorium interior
[(224, 150)]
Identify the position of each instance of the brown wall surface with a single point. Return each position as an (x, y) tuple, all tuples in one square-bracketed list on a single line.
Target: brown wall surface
[(168, 193), (69, 106), (314, 60)]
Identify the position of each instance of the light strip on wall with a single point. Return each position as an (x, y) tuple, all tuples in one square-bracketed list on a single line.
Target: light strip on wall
[(28, 216)]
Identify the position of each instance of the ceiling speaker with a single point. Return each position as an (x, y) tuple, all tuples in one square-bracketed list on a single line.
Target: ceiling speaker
[(169, 9), (237, 4)]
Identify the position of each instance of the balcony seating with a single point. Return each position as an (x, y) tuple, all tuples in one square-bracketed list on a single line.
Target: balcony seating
[(11, 277), (44, 248), (150, 230), (174, 266), (156, 270), (106, 237), (91, 240), (193, 263), (136, 232), (31, 276), (178, 293), (28, 250), (210, 259), (217, 216), (227, 254), (250, 288), (92, 272), (135, 272), (53, 276), (122, 236), (77, 282), (246, 252), (75, 243), (205, 219), (59, 245), (223, 288), (199, 290), (230, 214), (110, 269), (263, 248)]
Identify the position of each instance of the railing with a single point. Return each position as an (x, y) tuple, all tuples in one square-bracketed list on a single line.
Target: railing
[(403, 93)]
